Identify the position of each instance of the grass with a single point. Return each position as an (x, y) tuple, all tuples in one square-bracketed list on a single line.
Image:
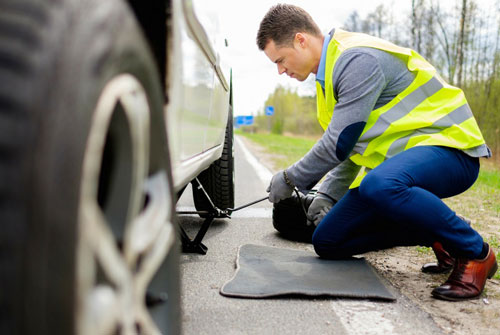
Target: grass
[(488, 184), (424, 250), (285, 149), (493, 242)]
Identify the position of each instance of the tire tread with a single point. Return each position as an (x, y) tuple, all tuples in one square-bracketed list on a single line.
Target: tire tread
[(218, 180), (21, 23)]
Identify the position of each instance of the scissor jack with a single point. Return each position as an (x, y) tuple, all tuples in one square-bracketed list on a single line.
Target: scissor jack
[(195, 245)]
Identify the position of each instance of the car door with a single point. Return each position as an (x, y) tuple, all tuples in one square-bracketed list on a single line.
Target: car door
[(208, 16), (193, 93)]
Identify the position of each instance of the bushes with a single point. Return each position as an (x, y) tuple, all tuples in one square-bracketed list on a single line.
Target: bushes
[(292, 114)]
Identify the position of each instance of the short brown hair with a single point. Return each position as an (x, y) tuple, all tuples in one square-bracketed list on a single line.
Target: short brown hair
[(282, 22)]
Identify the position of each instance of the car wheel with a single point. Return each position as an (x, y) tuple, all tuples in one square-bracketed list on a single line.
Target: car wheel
[(218, 179), (87, 243), (291, 221)]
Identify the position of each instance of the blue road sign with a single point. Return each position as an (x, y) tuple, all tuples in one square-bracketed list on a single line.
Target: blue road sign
[(244, 120), (239, 120), (248, 120), (269, 110)]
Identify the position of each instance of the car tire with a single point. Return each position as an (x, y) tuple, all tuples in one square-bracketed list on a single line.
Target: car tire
[(291, 221), (84, 171), (218, 179)]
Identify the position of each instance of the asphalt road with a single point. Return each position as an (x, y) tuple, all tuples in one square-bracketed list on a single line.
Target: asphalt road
[(205, 311)]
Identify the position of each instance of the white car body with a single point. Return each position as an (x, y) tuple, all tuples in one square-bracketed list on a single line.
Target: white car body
[(197, 111)]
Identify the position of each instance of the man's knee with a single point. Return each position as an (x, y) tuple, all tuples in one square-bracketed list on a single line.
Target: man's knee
[(329, 249), (376, 187), (324, 250)]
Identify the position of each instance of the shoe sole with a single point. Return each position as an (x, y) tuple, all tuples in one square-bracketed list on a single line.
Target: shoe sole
[(429, 271), (493, 271), (443, 297)]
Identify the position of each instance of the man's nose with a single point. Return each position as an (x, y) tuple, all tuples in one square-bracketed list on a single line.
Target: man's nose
[(281, 69)]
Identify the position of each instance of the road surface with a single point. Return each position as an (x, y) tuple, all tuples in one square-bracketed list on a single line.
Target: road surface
[(205, 311)]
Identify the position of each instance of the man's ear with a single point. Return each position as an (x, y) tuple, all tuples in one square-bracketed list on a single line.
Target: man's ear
[(301, 39)]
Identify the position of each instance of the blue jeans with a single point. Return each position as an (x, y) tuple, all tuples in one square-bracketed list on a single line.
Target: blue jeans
[(399, 204)]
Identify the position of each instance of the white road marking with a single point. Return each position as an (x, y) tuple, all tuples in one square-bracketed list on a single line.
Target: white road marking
[(363, 318), (261, 213), (264, 174)]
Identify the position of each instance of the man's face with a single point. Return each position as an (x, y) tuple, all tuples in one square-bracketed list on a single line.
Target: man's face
[(295, 61)]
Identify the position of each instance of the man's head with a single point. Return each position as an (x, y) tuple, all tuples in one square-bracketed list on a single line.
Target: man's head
[(290, 38)]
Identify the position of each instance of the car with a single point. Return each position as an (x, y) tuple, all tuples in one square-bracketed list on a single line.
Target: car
[(108, 111)]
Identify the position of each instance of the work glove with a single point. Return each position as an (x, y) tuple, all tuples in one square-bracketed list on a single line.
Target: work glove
[(279, 188), (318, 209)]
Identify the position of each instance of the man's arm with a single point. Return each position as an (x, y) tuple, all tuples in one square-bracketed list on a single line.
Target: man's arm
[(358, 80)]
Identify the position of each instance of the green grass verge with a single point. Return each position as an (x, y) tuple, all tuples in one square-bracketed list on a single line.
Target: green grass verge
[(286, 150), (488, 185), (424, 250)]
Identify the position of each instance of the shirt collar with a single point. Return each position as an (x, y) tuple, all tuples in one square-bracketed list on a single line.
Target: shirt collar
[(320, 76)]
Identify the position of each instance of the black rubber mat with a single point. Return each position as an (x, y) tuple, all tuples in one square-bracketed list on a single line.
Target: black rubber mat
[(264, 272)]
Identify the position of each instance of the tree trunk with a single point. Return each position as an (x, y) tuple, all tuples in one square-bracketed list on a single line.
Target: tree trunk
[(461, 43)]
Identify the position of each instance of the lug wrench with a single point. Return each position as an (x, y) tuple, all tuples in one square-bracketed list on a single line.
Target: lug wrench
[(225, 212)]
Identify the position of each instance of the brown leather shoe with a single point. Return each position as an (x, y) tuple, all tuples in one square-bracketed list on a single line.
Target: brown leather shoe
[(468, 278), (444, 261)]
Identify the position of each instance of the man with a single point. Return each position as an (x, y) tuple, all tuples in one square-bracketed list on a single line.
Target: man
[(385, 109)]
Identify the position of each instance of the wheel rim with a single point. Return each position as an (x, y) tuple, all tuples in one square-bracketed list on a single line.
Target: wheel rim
[(123, 229)]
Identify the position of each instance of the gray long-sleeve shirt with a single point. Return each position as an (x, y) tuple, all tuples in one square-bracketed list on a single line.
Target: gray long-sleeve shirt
[(364, 79)]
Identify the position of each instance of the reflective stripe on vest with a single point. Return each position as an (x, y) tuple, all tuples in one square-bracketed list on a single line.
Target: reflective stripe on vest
[(427, 112)]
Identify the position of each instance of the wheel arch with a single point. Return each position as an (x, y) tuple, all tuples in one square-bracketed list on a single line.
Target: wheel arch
[(154, 17)]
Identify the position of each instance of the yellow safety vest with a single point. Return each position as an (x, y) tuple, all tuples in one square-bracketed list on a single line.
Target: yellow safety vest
[(428, 112)]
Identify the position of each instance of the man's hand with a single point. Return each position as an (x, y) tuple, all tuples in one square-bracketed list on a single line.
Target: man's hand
[(279, 188), (318, 209)]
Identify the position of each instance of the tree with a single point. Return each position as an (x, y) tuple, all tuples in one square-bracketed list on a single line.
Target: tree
[(461, 43), (353, 22), (378, 20), (446, 40), (417, 10), (292, 113)]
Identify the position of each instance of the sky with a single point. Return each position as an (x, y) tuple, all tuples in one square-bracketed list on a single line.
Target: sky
[(254, 75)]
